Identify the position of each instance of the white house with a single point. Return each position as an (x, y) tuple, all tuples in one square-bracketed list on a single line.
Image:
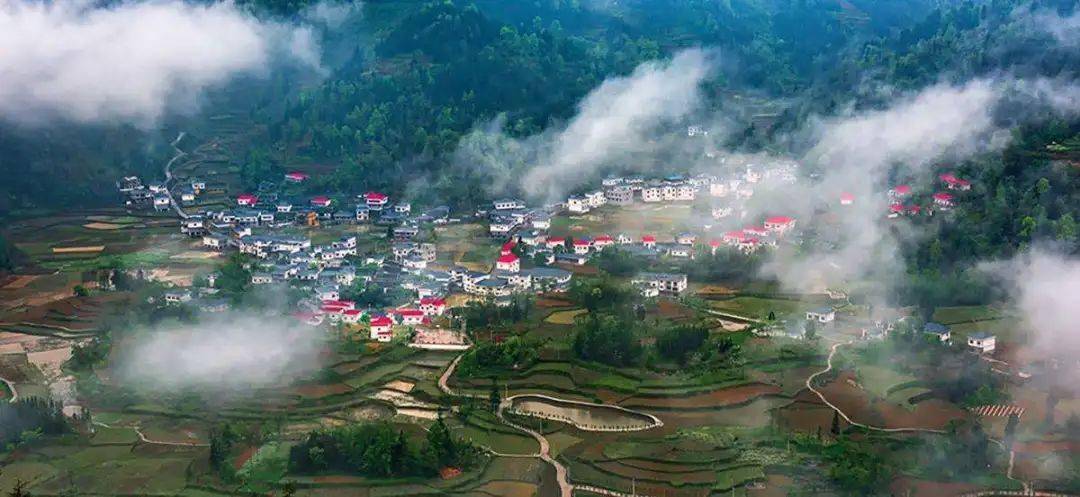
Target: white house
[(507, 204), (664, 282), (595, 198), (578, 204), (381, 328), (983, 343), (821, 315), (652, 193)]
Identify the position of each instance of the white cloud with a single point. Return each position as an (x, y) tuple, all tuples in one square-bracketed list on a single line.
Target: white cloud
[(131, 61), (617, 120), (227, 352)]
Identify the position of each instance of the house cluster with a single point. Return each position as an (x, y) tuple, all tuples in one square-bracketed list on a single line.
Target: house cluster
[(978, 342), (137, 195), (902, 199), (508, 277)]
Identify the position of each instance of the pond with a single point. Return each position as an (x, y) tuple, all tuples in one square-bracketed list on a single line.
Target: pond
[(583, 415)]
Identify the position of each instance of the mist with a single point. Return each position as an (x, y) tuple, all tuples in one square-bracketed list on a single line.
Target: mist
[(133, 62), (225, 353), (1046, 286)]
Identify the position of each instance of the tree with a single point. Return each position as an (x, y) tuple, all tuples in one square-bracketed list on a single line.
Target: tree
[(835, 429), (680, 342), (1010, 428), (494, 398), (810, 330), (441, 444)]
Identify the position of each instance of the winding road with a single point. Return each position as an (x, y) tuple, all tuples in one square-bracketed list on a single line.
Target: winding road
[(168, 175), (144, 439), (11, 387), (566, 489)]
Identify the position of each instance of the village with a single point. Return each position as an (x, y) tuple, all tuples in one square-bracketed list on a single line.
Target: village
[(277, 229)]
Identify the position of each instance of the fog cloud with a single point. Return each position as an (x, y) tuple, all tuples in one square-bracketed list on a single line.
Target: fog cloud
[(222, 352), (616, 121), (1047, 292), (131, 61)]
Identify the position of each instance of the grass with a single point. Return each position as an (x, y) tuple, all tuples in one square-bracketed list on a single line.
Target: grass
[(757, 307), (954, 315), (564, 317), (879, 381)]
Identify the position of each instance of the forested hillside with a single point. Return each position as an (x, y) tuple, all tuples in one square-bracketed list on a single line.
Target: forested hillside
[(394, 111)]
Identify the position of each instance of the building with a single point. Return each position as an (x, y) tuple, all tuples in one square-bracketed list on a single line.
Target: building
[(938, 331), (652, 193), (582, 246), (954, 183), (432, 306), (663, 282), (981, 342), (595, 198), (943, 200), (508, 262), (578, 204), (321, 201), (296, 177), (408, 317), (821, 315), (779, 224), (162, 202), (381, 328), (648, 241), (375, 201), (899, 192), (847, 199), (246, 200), (507, 204), (620, 195)]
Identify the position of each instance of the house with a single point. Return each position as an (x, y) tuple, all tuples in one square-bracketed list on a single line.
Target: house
[(541, 222), (284, 207), (162, 202), (620, 195), (847, 199), (507, 204), (647, 291), (578, 204), (362, 213), (714, 245), (187, 194), (938, 331), (408, 317), (261, 278), (321, 201), (652, 193), (507, 248), (381, 328), (296, 177), (403, 208), (954, 183), (572, 259), (554, 242), (692, 131), (624, 239), (246, 200), (602, 241), (308, 318), (943, 200), (532, 238), (508, 262), (582, 246), (432, 306), (375, 201), (351, 316), (648, 241), (779, 224), (595, 198), (899, 191), (721, 212), (821, 315), (611, 181), (501, 226), (981, 342), (680, 251), (177, 297), (685, 238), (664, 282), (214, 241), (549, 278)]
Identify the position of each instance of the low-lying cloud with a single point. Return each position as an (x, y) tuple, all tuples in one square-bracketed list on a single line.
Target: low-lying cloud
[(1046, 288), (222, 353), (132, 62)]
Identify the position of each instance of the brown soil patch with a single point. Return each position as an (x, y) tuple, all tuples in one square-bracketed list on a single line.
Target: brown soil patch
[(1047, 446), (400, 385), (336, 479), (550, 302), (78, 250), (806, 417), (635, 472), (718, 398), (320, 390), (102, 226), (673, 310), (17, 282), (244, 456), (509, 488), (930, 414)]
